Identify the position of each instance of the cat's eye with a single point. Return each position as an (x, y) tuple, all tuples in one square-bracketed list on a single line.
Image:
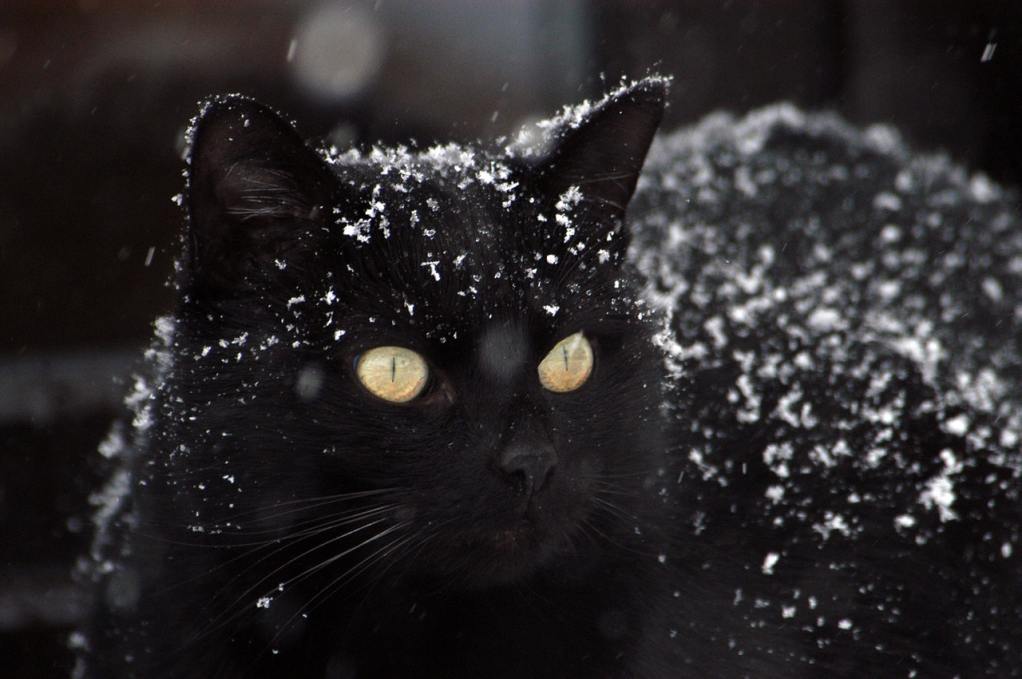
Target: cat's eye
[(568, 365), (394, 374)]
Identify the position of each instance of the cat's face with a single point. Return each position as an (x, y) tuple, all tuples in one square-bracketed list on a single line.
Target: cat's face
[(450, 333)]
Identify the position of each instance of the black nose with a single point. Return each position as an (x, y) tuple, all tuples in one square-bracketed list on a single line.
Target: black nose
[(528, 468)]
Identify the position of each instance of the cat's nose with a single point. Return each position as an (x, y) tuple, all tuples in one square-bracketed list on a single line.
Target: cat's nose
[(528, 468)]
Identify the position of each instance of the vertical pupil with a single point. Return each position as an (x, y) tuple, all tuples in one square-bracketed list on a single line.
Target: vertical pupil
[(393, 367), (564, 350)]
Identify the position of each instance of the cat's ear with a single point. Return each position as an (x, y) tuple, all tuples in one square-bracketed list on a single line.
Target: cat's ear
[(253, 188), (603, 152)]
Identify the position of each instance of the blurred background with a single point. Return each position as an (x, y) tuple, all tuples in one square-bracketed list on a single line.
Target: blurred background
[(95, 96)]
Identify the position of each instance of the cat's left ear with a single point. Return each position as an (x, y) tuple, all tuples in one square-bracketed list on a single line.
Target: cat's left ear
[(602, 154)]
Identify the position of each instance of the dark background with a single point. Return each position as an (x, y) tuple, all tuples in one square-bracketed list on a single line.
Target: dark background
[(95, 96)]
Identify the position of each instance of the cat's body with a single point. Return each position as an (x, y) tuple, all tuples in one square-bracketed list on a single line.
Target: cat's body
[(820, 479), (848, 324)]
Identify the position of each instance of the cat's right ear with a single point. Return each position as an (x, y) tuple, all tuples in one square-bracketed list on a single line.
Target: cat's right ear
[(254, 187)]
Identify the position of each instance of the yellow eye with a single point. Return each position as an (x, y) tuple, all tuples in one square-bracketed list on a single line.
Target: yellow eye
[(568, 365), (394, 374)]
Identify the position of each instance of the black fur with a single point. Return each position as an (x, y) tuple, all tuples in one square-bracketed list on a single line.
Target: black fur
[(754, 506)]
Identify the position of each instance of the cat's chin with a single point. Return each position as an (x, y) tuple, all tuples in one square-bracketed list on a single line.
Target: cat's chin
[(510, 555), (496, 556), (514, 553)]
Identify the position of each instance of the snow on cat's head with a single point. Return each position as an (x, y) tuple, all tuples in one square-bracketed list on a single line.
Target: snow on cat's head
[(453, 329)]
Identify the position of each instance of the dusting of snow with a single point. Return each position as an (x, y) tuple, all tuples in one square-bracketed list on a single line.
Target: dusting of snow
[(433, 264), (831, 328), (803, 344), (536, 140), (904, 521)]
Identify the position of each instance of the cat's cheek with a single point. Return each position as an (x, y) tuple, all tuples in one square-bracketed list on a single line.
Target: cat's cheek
[(588, 469), (406, 513)]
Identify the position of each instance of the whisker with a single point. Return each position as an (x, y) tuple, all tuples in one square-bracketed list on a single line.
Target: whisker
[(622, 475), (333, 559), (320, 501), (614, 509), (283, 543), (587, 530), (600, 533), (311, 526), (216, 621), (351, 572), (308, 524), (319, 530), (611, 489)]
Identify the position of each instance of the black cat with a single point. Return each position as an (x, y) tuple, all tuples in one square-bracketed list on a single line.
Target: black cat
[(427, 414)]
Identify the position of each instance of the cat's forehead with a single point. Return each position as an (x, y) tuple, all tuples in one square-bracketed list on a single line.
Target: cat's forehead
[(452, 231), (439, 191), (449, 167), (445, 222), (446, 238)]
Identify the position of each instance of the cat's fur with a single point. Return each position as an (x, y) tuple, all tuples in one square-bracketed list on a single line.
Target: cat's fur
[(797, 454)]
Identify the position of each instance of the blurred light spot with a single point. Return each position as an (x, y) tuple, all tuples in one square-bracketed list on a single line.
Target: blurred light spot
[(337, 51), (309, 382), (343, 135), (123, 590)]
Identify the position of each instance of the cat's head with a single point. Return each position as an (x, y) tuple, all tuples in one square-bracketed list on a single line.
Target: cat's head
[(455, 328)]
